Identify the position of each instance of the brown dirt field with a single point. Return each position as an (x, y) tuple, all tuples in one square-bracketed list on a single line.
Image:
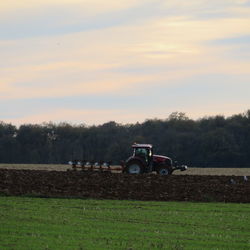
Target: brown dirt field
[(190, 171), (98, 185)]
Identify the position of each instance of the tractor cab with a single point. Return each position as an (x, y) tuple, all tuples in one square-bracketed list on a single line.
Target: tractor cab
[(143, 151)]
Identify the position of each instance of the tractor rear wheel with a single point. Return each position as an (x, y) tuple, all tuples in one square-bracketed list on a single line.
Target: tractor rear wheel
[(164, 171), (134, 167)]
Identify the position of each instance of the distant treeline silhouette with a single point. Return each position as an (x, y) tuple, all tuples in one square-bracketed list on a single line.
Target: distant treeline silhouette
[(207, 142)]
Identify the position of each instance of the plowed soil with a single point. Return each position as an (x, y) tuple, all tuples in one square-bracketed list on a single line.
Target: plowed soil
[(86, 184)]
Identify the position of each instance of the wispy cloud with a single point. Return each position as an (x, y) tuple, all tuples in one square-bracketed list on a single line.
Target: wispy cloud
[(51, 18), (145, 59), (238, 40), (57, 19)]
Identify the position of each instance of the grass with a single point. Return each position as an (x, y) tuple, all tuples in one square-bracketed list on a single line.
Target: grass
[(39, 223)]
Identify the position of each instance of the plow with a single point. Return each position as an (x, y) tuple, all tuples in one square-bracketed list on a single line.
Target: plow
[(142, 160), (95, 166)]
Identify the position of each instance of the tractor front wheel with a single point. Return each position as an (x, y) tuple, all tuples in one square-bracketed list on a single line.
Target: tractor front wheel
[(164, 171), (134, 167)]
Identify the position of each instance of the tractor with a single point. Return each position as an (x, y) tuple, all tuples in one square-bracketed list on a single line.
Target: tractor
[(144, 161)]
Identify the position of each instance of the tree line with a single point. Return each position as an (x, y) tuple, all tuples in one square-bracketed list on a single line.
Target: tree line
[(215, 141)]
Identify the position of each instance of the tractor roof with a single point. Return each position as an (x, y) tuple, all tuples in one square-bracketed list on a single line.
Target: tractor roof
[(135, 145)]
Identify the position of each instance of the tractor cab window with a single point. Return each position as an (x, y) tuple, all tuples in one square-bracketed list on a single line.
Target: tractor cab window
[(144, 153), (140, 152)]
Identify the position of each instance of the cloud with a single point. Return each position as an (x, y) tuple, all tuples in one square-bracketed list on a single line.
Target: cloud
[(135, 57), (234, 48), (57, 19), (65, 79), (193, 95), (114, 66), (238, 40), (52, 18)]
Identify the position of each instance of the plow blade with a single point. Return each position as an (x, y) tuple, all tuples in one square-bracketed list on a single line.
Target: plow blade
[(95, 166)]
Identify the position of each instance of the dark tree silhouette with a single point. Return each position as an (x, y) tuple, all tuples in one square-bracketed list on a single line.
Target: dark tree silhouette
[(208, 142)]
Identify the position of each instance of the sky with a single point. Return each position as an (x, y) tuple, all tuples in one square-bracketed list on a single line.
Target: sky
[(94, 61)]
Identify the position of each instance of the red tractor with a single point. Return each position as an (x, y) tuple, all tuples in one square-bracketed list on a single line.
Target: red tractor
[(144, 161)]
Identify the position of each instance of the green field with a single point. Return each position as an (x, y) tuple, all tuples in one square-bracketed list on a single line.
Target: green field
[(40, 223)]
